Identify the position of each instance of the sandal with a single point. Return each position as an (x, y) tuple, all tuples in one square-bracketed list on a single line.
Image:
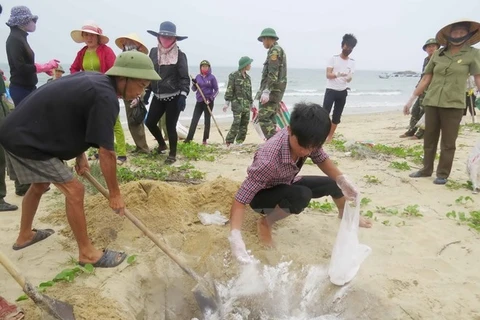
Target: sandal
[(121, 160), (110, 259), (10, 311), (40, 234), (170, 160)]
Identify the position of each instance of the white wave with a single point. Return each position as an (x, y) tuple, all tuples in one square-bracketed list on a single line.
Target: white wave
[(375, 93)]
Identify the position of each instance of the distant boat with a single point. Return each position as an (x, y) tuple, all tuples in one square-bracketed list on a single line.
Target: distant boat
[(384, 76)]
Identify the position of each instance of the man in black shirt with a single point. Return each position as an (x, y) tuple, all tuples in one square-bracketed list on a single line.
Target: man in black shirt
[(60, 121)]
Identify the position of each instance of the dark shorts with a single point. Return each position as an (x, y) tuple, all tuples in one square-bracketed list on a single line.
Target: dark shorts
[(337, 100), (37, 171), (294, 198)]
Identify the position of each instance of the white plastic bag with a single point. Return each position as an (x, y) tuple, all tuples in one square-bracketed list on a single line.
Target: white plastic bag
[(212, 218), (421, 123), (473, 167), (348, 253)]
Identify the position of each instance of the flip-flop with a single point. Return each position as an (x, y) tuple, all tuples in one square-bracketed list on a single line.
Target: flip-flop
[(10, 311), (40, 234), (108, 260)]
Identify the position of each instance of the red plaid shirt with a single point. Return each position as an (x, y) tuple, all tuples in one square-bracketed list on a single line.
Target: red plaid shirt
[(273, 165)]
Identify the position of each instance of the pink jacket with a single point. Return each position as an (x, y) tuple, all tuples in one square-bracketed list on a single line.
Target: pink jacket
[(105, 54)]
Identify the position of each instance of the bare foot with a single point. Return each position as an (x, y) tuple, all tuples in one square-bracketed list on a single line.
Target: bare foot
[(365, 223), (264, 232), (91, 256), (25, 238), (329, 139)]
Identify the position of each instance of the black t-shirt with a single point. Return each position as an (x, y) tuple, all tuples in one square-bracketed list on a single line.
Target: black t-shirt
[(63, 118)]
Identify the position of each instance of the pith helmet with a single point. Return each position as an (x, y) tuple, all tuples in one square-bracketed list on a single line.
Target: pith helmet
[(430, 41), (133, 64), (243, 62), (268, 32)]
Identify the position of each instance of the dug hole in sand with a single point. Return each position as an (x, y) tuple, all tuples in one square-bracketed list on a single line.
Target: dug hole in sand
[(290, 282)]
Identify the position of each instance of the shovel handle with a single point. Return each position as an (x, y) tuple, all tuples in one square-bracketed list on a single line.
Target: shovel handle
[(139, 224), (8, 265)]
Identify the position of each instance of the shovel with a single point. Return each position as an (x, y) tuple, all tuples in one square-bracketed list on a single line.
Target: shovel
[(207, 298), (57, 309)]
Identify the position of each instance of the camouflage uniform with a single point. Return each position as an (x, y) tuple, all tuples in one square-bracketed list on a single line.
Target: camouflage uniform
[(274, 79), (239, 93), (417, 109)]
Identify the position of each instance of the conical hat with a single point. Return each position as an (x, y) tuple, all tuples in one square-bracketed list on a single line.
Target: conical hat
[(134, 37), (442, 35)]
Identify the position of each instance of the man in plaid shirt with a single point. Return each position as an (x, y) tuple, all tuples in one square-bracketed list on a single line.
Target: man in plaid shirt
[(272, 186)]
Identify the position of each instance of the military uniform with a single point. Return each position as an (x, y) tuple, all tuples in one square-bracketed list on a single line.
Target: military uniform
[(274, 80), (239, 93)]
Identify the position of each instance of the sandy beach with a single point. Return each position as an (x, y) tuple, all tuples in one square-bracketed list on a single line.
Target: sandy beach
[(423, 265)]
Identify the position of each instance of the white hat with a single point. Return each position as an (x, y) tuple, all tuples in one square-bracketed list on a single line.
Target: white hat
[(89, 27)]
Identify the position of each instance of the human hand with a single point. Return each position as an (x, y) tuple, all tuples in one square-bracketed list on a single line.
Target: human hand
[(265, 97), (81, 165), (146, 97), (117, 204), (181, 103), (134, 102), (349, 190), (194, 81), (408, 105), (226, 106), (239, 251)]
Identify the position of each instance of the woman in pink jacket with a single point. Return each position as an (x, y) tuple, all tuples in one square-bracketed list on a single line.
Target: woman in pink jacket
[(97, 56)]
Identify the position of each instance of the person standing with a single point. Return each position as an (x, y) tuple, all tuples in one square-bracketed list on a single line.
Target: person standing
[(137, 130), (57, 73), (445, 77), (71, 115), (340, 70), (417, 110), (273, 83), (170, 93), (239, 96), (97, 56), (21, 60), (209, 86)]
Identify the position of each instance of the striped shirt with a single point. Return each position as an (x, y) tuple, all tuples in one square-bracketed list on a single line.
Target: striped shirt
[(273, 165)]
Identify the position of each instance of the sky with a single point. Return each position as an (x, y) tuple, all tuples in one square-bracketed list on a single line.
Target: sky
[(390, 33)]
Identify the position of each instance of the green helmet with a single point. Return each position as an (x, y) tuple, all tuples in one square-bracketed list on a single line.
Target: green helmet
[(243, 62), (133, 64), (430, 41), (268, 32)]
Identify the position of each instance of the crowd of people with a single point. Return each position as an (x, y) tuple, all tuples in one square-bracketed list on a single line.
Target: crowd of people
[(80, 111)]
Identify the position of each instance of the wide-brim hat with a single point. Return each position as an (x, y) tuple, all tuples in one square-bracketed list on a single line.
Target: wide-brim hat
[(134, 37), (430, 41), (20, 16), (167, 29), (92, 28), (133, 64), (244, 62), (442, 35)]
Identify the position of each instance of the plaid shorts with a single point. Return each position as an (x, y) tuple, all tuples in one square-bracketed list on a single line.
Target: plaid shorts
[(37, 171)]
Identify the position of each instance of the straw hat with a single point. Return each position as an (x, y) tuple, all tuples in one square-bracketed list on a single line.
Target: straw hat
[(474, 27), (89, 27), (134, 37)]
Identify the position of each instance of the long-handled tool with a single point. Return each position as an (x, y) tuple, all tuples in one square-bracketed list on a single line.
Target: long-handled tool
[(472, 108), (205, 292), (57, 309), (208, 107)]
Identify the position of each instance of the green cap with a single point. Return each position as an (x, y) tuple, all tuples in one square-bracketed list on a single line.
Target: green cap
[(430, 41), (268, 32), (133, 64), (204, 63), (243, 62)]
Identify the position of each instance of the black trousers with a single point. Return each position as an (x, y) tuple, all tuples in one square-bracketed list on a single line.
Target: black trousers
[(337, 100), (172, 112), (295, 197), (200, 108)]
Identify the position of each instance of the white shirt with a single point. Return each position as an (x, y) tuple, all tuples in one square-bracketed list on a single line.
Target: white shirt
[(342, 66)]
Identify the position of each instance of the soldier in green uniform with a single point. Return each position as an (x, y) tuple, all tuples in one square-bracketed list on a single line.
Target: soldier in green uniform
[(430, 46), (273, 84), (239, 95)]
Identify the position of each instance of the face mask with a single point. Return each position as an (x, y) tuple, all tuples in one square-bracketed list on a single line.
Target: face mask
[(30, 27), (204, 72), (346, 52), (461, 40), (167, 42)]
